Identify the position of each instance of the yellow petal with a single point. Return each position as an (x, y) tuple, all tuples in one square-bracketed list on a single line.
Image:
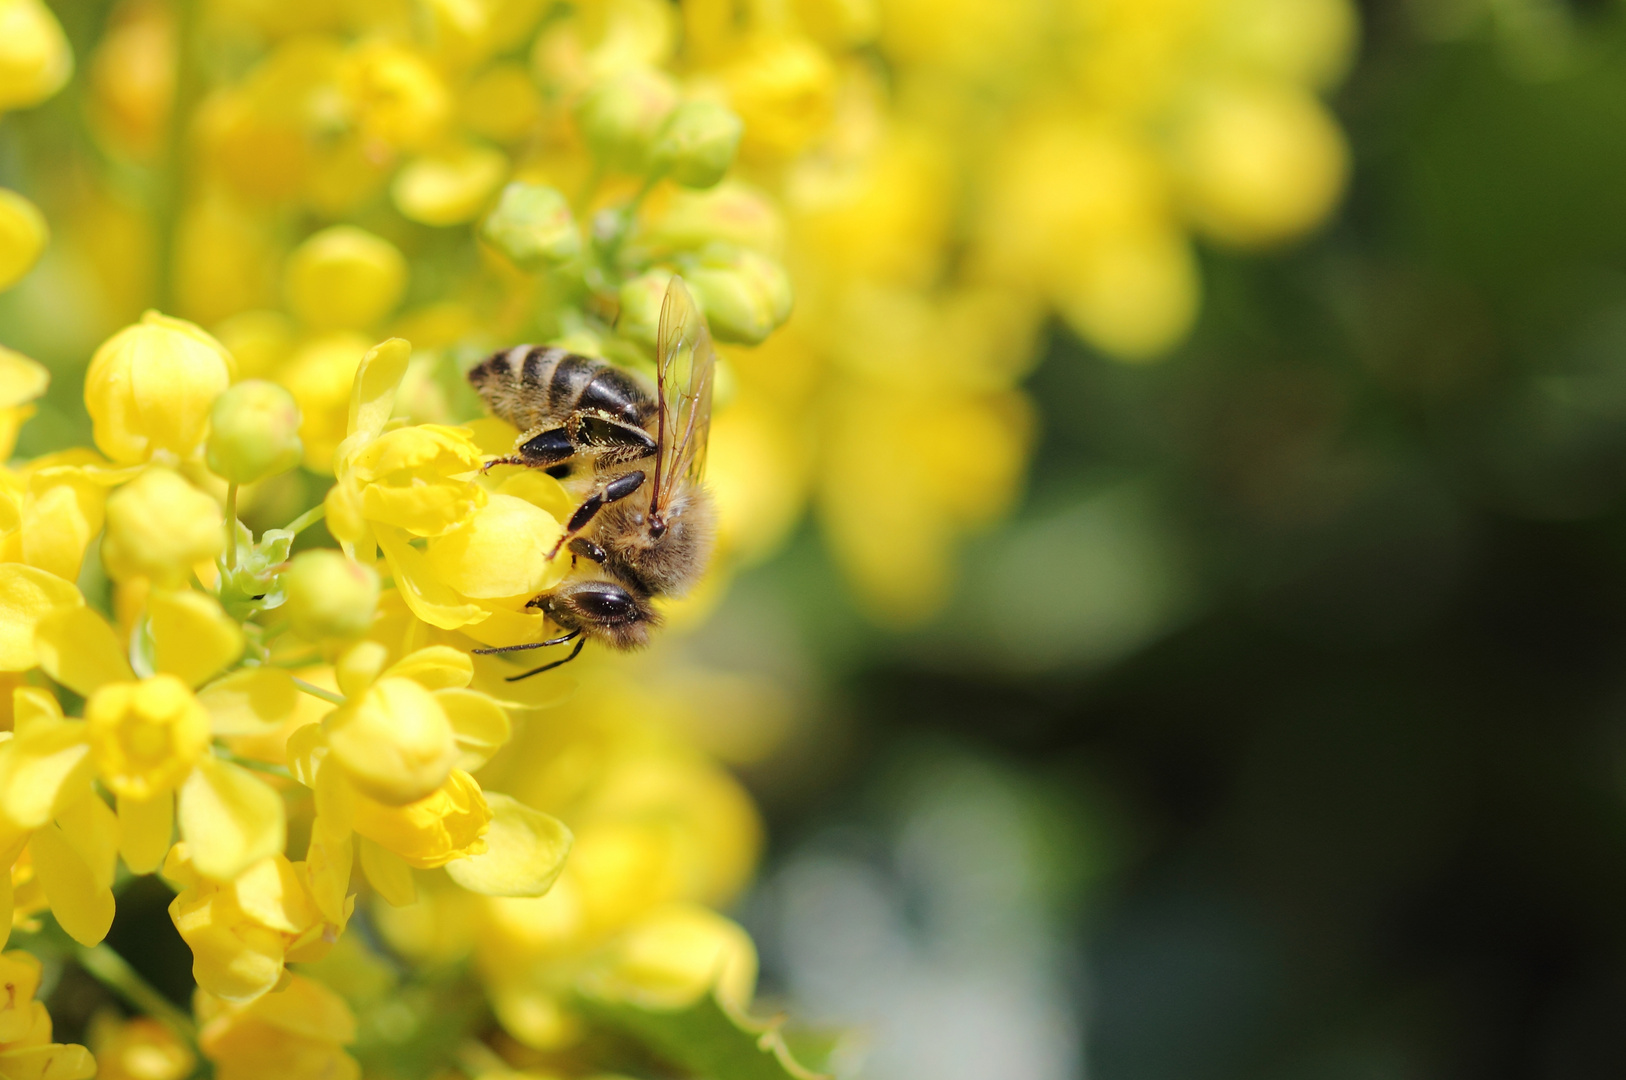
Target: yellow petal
[(230, 819), (232, 957), (449, 824), (145, 830), (434, 668), (500, 552), (81, 906), (272, 894), (328, 861), (429, 598), (372, 398), (525, 851), (46, 768), (388, 873), (93, 829), (23, 236), (193, 637), (27, 595), (77, 648), (64, 511), (250, 702), (21, 380), (53, 1061), (480, 725), (8, 907)]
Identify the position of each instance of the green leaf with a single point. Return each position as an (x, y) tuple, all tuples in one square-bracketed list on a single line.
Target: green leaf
[(255, 584), (709, 1038)]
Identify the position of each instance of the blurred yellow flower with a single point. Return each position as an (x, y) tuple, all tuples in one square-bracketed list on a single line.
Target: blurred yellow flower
[(301, 1030), (26, 1049), (160, 527), (35, 61), (23, 236)]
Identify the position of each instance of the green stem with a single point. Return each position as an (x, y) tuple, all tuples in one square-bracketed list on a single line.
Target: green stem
[(112, 971), (317, 692), (170, 179), (231, 526), (257, 766), (308, 518)]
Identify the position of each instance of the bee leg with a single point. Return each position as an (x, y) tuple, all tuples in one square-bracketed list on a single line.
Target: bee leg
[(539, 449), (577, 651), (531, 645), (615, 490), (588, 550)]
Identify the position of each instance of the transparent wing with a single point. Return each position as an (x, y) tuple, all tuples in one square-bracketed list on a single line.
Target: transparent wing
[(685, 366)]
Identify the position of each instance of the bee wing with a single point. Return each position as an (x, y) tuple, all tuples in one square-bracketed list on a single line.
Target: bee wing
[(685, 366)]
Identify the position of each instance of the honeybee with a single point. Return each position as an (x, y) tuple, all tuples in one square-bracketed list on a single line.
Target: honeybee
[(647, 526)]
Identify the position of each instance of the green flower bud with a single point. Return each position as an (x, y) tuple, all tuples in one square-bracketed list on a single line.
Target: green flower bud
[(532, 225), (746, 296), (641, 299), (698, 143), (253, 432), (329, 596), (621, 117)]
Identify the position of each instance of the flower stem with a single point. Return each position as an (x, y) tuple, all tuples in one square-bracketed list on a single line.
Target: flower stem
[(112, 971), (308, 518), (231, 526), (317, 692)]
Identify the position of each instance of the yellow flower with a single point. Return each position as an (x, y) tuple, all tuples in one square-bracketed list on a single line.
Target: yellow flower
[(160, 527), (145, 737), (150, 388), (26, 1049), (451, 186), (138, 1048), (242, 932), (23, 236), (671, 956), (344, 278), (398, 97), (450, 823), (299, 1031), (35, 61), (481, 562)]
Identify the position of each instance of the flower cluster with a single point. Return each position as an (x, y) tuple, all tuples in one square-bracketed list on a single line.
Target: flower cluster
[(339, 208)]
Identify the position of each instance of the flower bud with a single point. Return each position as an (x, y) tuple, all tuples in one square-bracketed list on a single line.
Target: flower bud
[(641, 299), (150, 387), (253, 432), (35, 60), (394, 743), (23, 235), (329, 596), (746, 296), (532, 225), (698, 143), (621, 117), (449, 188), (159, 527), (344, 278)]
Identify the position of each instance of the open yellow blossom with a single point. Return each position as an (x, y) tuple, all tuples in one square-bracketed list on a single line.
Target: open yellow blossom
[(150, 388), (26, 1049), (146, 739), (138, 1048), (399, 484), (243, 931)]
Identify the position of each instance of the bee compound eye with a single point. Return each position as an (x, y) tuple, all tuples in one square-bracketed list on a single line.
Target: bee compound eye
[(604, 601)]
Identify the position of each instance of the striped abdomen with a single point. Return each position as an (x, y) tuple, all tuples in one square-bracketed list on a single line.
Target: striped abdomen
[(538, 386)]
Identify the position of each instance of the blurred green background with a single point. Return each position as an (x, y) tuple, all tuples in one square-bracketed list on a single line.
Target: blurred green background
[(1279, 734)]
